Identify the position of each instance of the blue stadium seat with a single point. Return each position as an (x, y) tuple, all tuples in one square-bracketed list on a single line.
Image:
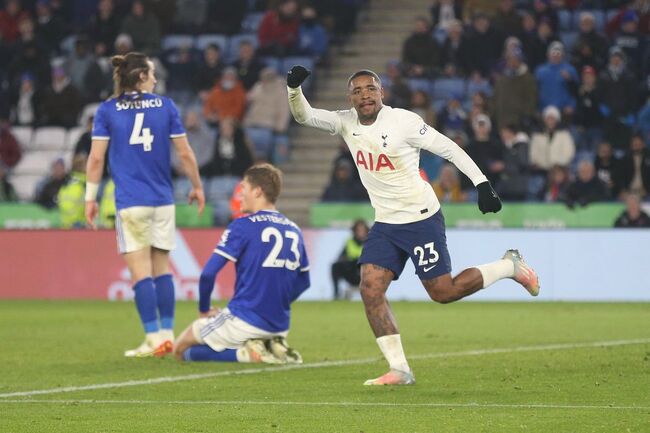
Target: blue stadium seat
[(281, 149), (251, 22), (174, 42), (565, 18), (262, 139), (447, 87), (420, 84), (233, 45), (202, 41), (273, 62), (568, 39), (599, 17)]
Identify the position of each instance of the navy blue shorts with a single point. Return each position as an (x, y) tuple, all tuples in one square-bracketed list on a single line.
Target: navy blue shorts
[(425, 242)]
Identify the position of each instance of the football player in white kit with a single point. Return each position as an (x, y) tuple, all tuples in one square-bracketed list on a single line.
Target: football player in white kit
[(385, 143)]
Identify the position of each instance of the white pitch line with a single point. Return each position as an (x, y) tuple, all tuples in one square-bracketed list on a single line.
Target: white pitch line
[(330, 403), (323, 364)]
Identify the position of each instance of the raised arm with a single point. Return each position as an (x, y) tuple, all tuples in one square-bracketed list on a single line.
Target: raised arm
[(300, 108)]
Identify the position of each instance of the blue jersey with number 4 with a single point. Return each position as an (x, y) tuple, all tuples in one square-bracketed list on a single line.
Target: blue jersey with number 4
[(138, 128), (271, 265)]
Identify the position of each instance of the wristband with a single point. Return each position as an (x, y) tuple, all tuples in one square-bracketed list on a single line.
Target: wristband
[(91, 191)]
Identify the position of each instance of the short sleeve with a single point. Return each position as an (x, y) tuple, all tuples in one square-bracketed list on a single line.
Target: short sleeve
[(176, 128), (304, 260), (101, 128), (233, 240)]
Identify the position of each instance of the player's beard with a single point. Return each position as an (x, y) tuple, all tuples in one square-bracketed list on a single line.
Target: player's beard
[(371, 117)]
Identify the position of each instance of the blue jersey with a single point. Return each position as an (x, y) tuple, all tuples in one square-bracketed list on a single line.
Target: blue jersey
[(139, 128), (271, 265)]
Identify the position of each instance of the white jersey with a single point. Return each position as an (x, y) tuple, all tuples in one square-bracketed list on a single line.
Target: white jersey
[(387, 155)]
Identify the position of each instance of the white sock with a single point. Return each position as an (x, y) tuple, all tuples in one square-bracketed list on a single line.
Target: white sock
[(243, 355), (495, 271), (391, 347)]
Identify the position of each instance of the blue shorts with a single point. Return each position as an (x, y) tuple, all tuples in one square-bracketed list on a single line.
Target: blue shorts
[(425, 242)]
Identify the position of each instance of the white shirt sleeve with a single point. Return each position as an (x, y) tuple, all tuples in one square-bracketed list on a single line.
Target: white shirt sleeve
[(422, 136), (306, 115)]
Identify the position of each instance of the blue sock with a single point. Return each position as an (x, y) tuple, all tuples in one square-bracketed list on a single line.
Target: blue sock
[(145, 301), (204, 352), (166, 300)]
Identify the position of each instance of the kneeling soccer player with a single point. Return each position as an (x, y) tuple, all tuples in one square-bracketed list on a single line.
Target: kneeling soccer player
[(272, 271)]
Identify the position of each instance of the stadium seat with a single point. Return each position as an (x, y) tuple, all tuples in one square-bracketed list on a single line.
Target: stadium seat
[(438, 104), (202, 41), (73, 136), (174, 42), (262, 139), (568, 39), (445, 88), (233, 45), (599, 17), (251, 22), (419, 84), (25, 185), (273, 62), (23, 135), (281, 149), (49, 138), (88, 112), (565, 18), (37, 162)]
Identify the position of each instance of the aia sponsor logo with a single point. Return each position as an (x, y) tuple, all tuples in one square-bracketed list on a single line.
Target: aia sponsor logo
[(373, 162)]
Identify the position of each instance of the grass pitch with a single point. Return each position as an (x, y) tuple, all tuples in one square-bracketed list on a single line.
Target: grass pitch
[(480, 367)]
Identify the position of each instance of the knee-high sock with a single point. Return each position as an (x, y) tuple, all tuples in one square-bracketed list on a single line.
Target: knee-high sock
[(145, 301), (203, 352), (166, 300)]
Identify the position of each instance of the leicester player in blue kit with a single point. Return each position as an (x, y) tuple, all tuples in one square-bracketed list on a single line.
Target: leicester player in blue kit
[(137, 128), (272, 271)]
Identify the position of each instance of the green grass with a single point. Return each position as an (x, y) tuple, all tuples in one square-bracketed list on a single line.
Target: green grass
[(49, 345)]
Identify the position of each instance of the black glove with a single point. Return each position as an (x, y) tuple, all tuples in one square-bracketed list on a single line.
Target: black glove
[(297, 75), (488, 200)]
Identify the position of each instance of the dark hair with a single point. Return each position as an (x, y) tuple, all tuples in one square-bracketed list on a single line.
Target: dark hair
[(268, 178), (363, 72), (127, 70)]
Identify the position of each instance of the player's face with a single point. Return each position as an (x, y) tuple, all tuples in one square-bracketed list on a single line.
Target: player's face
[(150, 82), (366, 96), (249, 193)]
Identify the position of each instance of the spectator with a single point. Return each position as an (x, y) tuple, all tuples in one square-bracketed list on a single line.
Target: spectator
[(84, 72), (484, 150), (453, 116), (633, 216), (61, 101), (123, 44), (537, 41), (478, 106), (447, 186), (248, 65), (30, 59), (182, 71), (634, 174), (643, 121), (191, 16), (71, 196), (484, 45), (232, 157), (83, 145), (225, 17), (144, 29), (209, 71), (202, 139), (397, 92), (631, 41), (556, 80), (421, 105), (10, 16), (590, 48), (10, 152), (558, 185), (553, 146), (477, 83), (515, 93), (226, 99), (587, 188), (607, 166), (545, 12), (512, 185), (278, 31), (48, 188), (346, 266), (263, 108), (25, 102), (420, 52), (343, 186), (446, 12), (103, 27), (588, 119), (619, 100), (312, 36), (7, 190), (507, 21), (50, 29), (455, 50)]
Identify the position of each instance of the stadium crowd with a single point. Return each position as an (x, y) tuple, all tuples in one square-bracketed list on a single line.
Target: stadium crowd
[(549, 97), (222, 62)]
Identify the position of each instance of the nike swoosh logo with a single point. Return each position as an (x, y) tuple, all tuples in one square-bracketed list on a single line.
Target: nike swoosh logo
[(429, 268), (355, 134)]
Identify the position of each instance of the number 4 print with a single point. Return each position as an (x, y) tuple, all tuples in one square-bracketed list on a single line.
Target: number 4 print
[(141, 135)]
